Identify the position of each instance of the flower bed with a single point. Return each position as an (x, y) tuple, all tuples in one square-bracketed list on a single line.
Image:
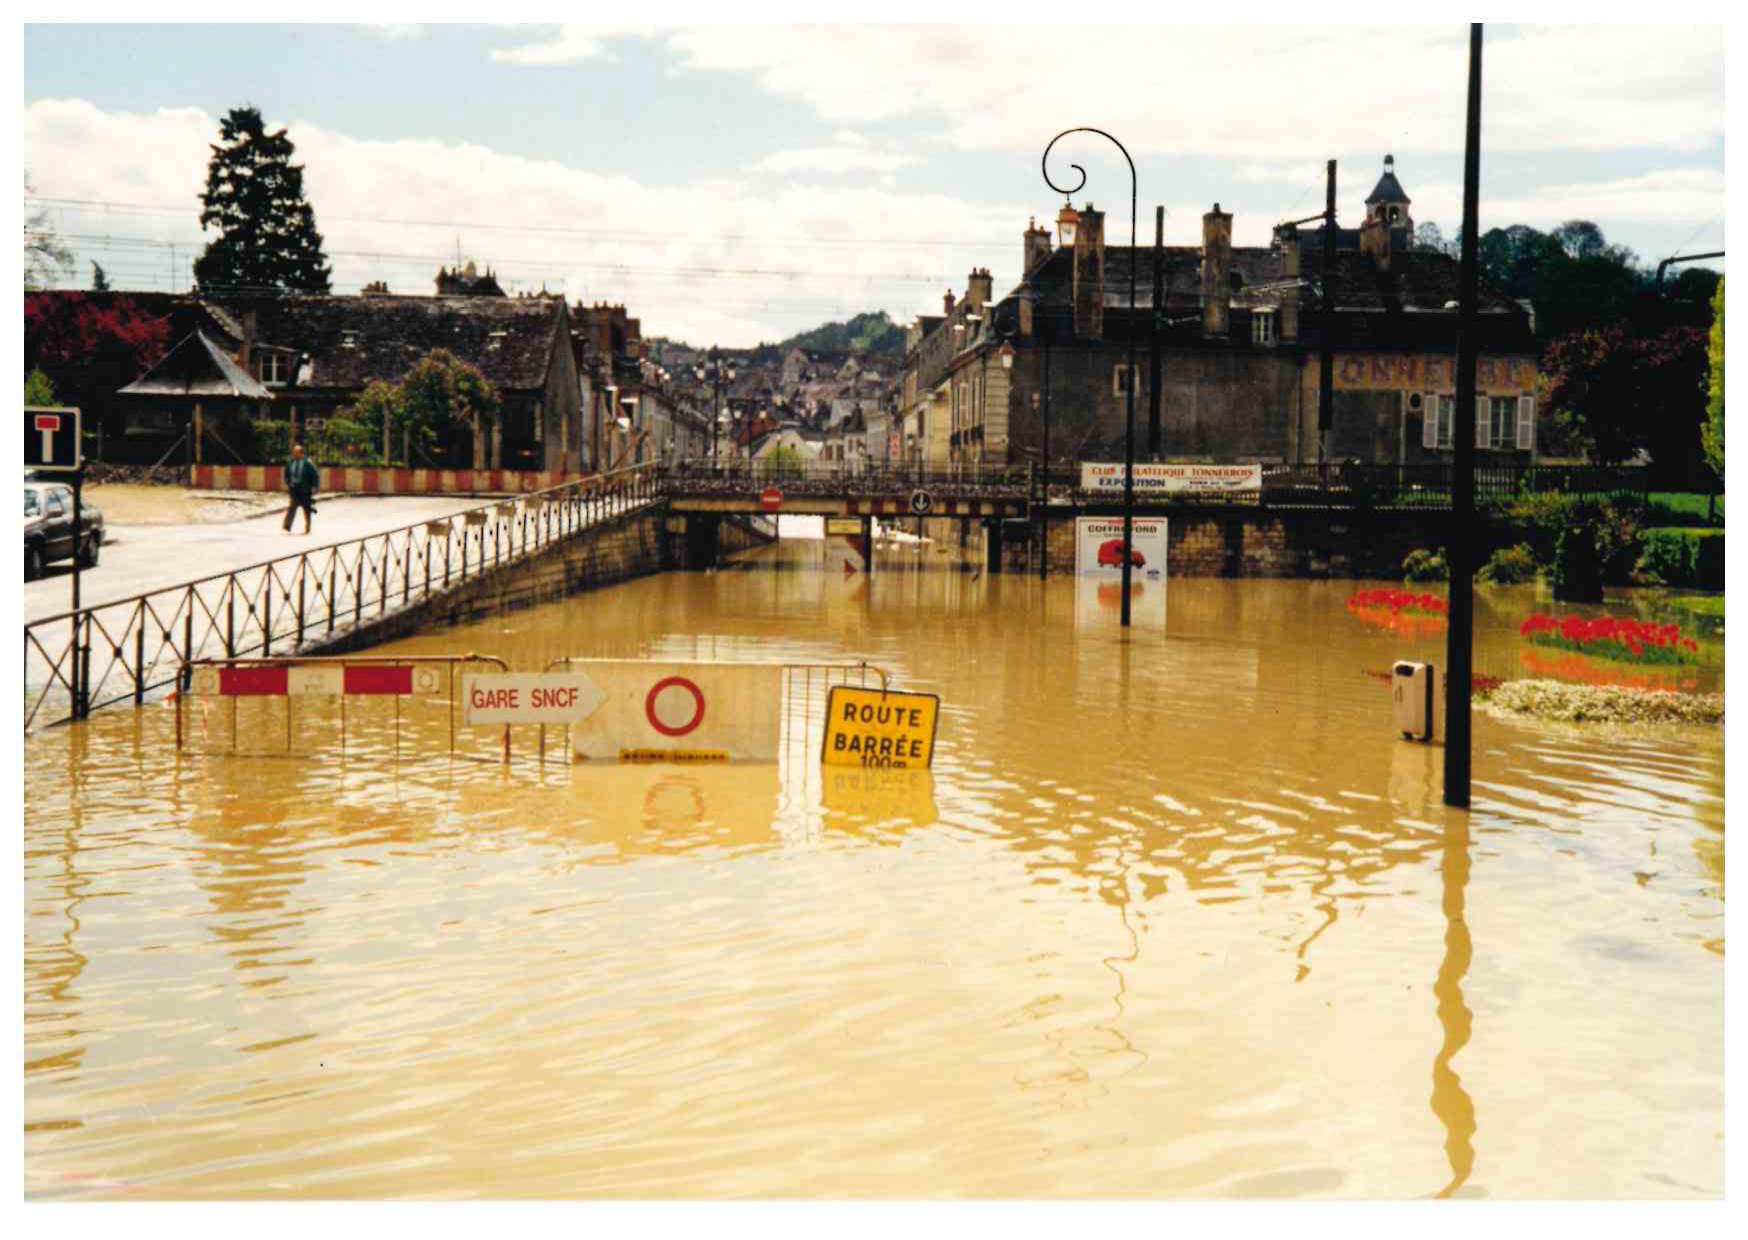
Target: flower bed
[(1553, 699), (1612, 637), (1400, 611), (1398, 601)]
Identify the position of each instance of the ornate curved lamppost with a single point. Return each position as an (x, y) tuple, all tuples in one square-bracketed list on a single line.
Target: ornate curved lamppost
[(1129, 386)]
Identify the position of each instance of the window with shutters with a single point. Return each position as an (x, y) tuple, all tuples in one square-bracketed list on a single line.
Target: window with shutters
[(1502, 418), (1439, 412), (1526, 423)]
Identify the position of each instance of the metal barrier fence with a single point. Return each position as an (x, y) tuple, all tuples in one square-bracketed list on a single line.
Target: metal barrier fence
[(207, 678), (123, 649)]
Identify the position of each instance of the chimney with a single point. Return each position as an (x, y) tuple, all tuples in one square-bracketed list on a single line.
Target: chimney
[(980, 288), (1375, 241), (1037, 246), (1216, 268), (1089, 274), (246, 350), (1289, 240), (947, 303)]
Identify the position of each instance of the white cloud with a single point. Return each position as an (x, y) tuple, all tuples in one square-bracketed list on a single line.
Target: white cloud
[(1245, 92), (833, 159), (1670, 196), (727, 261), (570, 45)]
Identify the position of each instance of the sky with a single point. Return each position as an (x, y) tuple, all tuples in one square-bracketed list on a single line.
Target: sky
[(734, 184)]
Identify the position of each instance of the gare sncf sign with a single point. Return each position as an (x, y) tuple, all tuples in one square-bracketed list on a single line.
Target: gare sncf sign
[(1429, 372)]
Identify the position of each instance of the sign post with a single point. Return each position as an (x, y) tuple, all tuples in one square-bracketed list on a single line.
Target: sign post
[(52, 442)]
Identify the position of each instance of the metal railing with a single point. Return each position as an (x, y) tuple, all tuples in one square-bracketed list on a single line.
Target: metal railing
[(125, 649)]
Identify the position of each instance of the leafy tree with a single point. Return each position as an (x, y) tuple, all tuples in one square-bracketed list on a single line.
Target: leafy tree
[(1431, 237), (90, 346), (442, 392), (1712, 436), (45, 255), (381, 411), (267, 236), (37, 389), (99, 278), (1620, 392)]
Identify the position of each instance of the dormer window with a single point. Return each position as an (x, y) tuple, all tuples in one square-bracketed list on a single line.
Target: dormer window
[(495, 341), (349, 340), (273, 366), (1262, 327)]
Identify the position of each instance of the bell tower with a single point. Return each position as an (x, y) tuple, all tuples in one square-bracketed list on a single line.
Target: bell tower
[(1388, 202)]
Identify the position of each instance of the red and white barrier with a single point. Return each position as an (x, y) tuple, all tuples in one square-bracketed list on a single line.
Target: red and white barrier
[(374, 480), (314, 680)]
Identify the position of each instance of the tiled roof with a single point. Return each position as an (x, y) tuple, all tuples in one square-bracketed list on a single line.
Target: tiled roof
[(197, 367), (352, 340)]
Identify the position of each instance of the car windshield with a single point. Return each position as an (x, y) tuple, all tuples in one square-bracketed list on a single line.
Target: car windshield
[(32, 505)]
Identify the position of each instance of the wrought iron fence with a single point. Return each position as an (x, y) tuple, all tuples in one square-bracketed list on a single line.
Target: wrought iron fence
[(126, 649)]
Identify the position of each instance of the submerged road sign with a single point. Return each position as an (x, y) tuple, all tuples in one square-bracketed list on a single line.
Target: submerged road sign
[(876, 727), (51, 438), (681, 712), (529, 697)]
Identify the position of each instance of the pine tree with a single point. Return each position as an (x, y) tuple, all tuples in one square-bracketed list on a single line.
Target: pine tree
[(99, 278), (254, 198)]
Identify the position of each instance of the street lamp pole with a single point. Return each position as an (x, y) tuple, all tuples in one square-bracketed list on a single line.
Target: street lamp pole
[(1459, 636), (1129, 387)]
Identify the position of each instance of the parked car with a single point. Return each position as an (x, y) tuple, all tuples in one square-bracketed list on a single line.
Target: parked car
[(1111, 555), (48, 528)]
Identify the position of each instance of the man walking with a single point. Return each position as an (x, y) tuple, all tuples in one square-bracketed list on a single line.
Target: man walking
[(301, 478)]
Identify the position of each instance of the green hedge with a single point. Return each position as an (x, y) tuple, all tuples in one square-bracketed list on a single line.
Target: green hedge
[(1684, 556)]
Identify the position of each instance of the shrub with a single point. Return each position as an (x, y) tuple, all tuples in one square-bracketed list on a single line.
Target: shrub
[(1510, 566), (1684, 557), (1424, 565), (1577, 571)]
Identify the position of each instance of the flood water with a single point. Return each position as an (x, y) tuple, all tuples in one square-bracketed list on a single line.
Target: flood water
[(1172, 916)]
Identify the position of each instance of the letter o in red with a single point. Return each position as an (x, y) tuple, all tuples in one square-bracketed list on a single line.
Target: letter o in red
[(674, 682)]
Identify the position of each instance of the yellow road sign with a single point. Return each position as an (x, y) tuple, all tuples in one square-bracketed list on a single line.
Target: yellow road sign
[(843, 527), (873, 727)]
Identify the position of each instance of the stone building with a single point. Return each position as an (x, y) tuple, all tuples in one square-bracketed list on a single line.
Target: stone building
[(1240, 331)]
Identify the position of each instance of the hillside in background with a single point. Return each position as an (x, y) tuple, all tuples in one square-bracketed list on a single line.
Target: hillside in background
[(874, 332)]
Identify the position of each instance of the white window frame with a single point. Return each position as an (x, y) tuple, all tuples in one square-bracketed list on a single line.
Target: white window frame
[(1118, 371), (274, 367), (1262, 327), (1502, 422)]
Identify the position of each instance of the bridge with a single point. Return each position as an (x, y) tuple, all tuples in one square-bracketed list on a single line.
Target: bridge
[(345, 595)]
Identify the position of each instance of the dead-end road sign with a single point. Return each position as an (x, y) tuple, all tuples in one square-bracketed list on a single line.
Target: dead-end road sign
[(51, 439)]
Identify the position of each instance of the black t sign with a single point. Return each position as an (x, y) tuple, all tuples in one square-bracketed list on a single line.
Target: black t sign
[(51, 439)]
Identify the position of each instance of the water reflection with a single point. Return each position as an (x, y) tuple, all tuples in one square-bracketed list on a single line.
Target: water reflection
[(1161, 921)]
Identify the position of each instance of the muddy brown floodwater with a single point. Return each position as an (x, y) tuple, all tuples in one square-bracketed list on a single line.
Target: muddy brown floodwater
[(1172, 916)]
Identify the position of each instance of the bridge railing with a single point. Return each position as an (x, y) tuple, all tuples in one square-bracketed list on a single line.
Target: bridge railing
[(124, 649), (744, 477), (1338, 485)]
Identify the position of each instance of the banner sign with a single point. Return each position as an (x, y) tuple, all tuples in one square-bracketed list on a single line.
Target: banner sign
[(1098, 547), (879, 727), (1429, 372), (1155, 479), (528, 697), (680, 712)]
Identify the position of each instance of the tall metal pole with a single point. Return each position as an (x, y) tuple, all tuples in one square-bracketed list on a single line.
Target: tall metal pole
[(1154, 395), (1326, 358), (1129, 393), (1459, 636)]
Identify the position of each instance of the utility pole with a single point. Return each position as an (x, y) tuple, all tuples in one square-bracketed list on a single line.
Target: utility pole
[(1154, 360), (1459, 636), (1326, 360)]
